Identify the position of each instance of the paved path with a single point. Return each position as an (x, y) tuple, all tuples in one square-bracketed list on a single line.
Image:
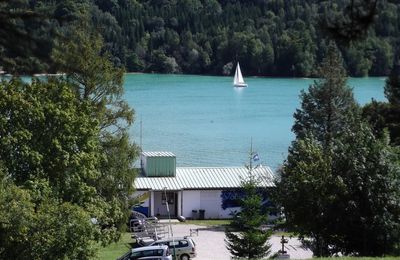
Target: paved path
[(210, 243)]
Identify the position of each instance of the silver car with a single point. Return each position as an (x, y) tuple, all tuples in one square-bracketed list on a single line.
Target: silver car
[(158, 252), (184, 247)]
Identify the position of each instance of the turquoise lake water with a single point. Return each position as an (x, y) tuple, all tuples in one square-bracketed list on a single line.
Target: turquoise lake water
[(207, 122)]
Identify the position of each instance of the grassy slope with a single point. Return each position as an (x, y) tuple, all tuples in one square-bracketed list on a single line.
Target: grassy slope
[(116, 250)]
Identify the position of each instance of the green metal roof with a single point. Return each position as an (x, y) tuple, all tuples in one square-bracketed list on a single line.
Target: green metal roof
[(188, 178)]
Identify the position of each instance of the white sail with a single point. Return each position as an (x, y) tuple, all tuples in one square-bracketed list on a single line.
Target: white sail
[(238, 80)]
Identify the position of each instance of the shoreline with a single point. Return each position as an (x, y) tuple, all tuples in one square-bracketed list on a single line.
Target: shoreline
[(230, 76), (4, 73)]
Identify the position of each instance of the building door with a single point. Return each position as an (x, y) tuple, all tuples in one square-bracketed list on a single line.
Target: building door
[(161, 199)]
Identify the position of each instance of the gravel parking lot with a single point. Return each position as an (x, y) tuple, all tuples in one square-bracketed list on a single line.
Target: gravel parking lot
[(210, 243)]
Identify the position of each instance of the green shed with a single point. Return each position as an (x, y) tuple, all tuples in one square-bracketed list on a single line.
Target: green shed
[(159, 164)]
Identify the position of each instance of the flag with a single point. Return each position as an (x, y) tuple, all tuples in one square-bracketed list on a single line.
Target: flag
[(255, 157)]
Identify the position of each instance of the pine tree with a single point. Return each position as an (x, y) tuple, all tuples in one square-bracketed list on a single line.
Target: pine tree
[(328, 107), (340, 184), (386, 115), (392, 87), (244, 238)]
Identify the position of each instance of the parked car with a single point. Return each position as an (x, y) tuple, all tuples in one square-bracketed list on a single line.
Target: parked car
[(185, 247), (158, 252)]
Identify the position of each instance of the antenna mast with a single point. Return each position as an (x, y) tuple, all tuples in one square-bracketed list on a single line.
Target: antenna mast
[(141, 148), (141, 129)]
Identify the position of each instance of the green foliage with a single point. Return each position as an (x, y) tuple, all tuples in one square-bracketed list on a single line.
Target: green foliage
[(340, 184), (392, 87), (64, 143), (244, 238), (29, 31), (328, 107), (385, 116), (273, 38), (350, 20), (47, 132), (270, 38), (34, 224), (99, 83)]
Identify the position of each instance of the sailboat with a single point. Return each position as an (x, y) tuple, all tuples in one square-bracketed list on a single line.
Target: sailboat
[(238, 80)]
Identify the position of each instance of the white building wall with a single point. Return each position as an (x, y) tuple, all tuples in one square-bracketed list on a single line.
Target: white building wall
[(209, 200), (190, 201)]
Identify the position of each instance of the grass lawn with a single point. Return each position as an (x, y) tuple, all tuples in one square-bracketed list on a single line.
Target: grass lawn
[(116, 250), (208, 222)]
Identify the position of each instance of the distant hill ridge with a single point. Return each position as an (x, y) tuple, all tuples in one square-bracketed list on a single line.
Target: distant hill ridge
[(283, 38), (270, 38)]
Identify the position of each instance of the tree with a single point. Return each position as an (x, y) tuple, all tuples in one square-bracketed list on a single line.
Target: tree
[(351, 21), (49, 156), (272, 38), (98, 82), (69, 133), (34, 224), (384, 116), (339, 185), (244, 238), (329, 106), (392, 86), (47, 132), (370, 201), (30, 30)]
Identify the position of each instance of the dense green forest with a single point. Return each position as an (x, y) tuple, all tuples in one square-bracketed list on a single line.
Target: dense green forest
[(272, 38), (268, 37)]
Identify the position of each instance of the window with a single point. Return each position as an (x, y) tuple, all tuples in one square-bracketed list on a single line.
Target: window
[(144, 253), (183, 243), (172, 244)]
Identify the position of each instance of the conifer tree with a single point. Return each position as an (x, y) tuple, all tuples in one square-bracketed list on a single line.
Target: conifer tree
[(386, 115), (392, 86), (328, 107), (340, 184), (244, 238)]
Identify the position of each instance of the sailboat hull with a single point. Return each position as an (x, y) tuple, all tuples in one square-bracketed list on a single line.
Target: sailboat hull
[(240, 85)]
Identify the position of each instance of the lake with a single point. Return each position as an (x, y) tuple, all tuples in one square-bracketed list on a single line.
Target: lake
[(205, 121)]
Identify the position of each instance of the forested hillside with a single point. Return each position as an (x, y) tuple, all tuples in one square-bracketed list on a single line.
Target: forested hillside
[(273, 38), (268, 37)]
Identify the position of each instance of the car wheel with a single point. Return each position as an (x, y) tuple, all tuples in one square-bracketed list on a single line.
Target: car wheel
[(185, 257)]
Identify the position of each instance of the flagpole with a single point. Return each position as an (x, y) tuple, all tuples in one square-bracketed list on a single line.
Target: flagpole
[(251, 156), (169, 220)]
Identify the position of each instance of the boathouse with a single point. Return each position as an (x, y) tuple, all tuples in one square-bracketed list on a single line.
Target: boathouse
[(192, 192)]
